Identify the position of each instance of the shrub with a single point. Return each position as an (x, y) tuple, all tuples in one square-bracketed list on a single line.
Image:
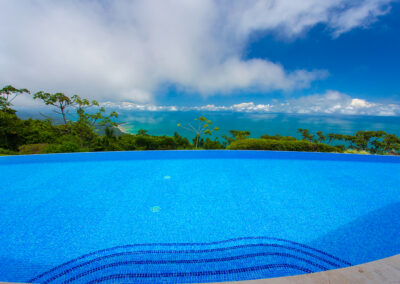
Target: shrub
[(39, 148), (127, 142), (278, 137), (354, 151), (277, 145), (42, 148), (65, 147), (51, 148), (144, 142), (6, 152), (147, 142), (212, 144), (68, 147), (10, 131)]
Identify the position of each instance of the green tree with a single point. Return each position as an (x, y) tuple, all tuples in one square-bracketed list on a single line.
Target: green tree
[(278, 137), (321, 137), (331, 137), (203, 128), (142, 132), (362, 139), (11, 128), (236, 135), (212, 144), (7, 95), (87, 121), (391, 143), (239, 134), (58, 100), (306, 135), (182, 142), (109, 140)]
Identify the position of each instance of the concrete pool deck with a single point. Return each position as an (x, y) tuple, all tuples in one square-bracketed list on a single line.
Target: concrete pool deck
[(386, 270)]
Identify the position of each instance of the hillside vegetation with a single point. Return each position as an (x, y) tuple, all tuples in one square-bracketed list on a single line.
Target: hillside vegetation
[(86, 126)]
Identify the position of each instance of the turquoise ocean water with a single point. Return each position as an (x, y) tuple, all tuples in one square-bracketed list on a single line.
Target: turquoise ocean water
[(165, 123)]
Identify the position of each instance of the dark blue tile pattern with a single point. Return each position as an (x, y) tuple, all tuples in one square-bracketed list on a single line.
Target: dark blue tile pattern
[(228, 260)]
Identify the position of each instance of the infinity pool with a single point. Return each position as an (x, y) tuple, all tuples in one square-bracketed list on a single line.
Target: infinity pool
[(193, 216)]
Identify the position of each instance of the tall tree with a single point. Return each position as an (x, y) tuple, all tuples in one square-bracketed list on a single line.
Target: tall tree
[(203, 128), (59, 100), (7, 95), (239, 134), (87, 121), (306, 135), (321, 137)]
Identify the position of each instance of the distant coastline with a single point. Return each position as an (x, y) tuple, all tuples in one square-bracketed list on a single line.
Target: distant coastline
[(165, 123), (122, 129)]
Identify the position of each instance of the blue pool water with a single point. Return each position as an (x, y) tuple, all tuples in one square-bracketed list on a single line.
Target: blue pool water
[(193, 216)]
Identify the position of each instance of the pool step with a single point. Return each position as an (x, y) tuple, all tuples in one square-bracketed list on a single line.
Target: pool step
[(228, 260)]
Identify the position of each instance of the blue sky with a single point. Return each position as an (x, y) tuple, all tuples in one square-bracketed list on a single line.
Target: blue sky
[(363, 62), (310, 56)]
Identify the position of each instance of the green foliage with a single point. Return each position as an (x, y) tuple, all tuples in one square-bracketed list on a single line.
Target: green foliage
[(390, 143), (7, 95), (237, 135), (84, 127), (148, 142), (15, 132), (4, 152), (376, 142), (39, 148), (11, 128), (97, 118), (43, 148), (142, 132), (277, 145), (305, 133), (67, 147), (278, 137), (82, 130), (40, 131), (212, 144), (353, 151), (321, 137), (182, 142), (80, 133), (362, 139), (203, 128), (58, 100)]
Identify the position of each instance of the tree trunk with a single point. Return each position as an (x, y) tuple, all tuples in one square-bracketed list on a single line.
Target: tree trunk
[(197, 140)]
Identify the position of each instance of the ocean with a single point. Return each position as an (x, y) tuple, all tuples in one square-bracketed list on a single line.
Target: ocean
[(165, 123)]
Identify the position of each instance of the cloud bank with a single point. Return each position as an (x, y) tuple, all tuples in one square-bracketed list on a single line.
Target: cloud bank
[(331, 102), (131, 49)]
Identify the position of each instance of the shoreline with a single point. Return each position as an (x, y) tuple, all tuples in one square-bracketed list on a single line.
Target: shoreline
[(123, 130)]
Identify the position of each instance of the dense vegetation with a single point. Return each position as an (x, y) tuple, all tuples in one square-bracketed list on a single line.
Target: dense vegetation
[(85, 126), (279, 145)]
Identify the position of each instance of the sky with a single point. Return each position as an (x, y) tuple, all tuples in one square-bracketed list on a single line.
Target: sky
[(310, 56)]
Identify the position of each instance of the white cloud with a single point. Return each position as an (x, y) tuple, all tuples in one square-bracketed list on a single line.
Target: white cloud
[(332, 102), (127, 50), (359, 15)]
